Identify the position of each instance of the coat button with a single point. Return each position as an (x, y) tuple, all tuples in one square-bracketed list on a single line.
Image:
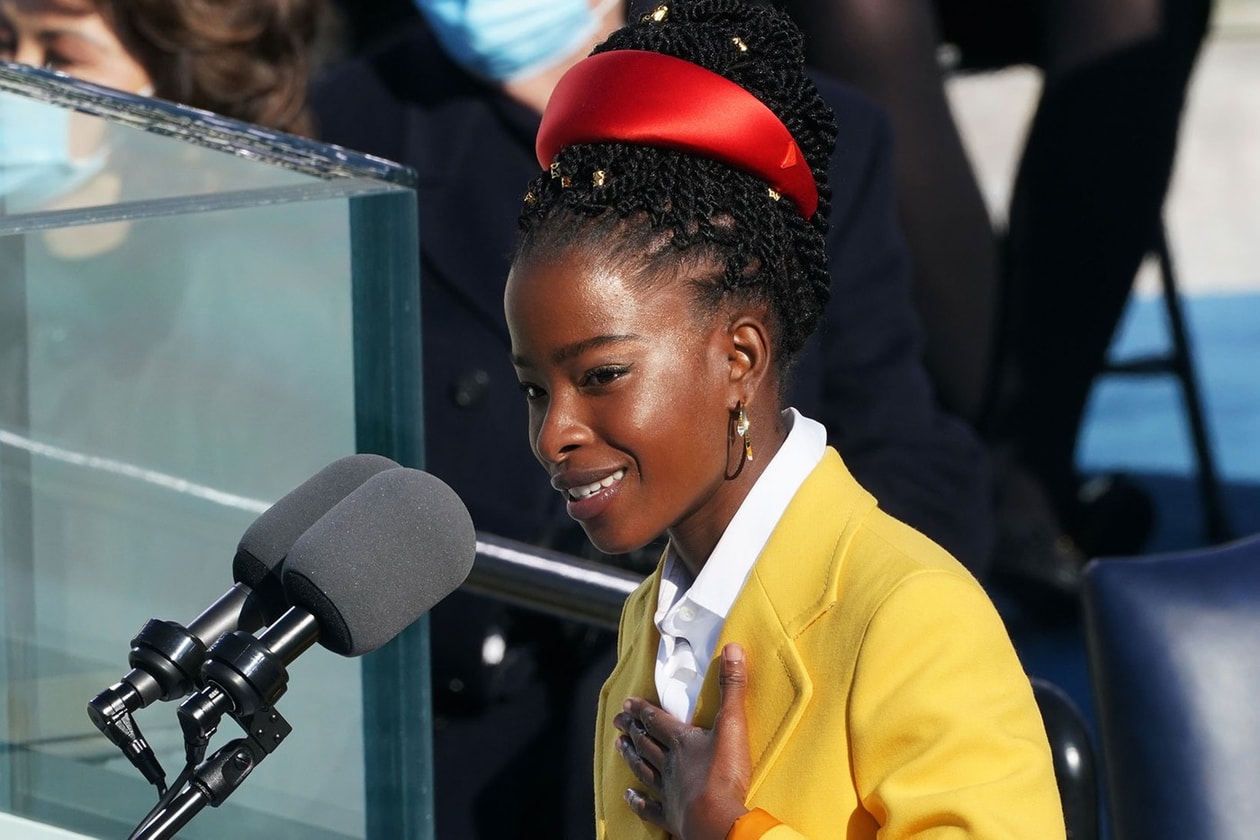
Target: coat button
[(469, 391)]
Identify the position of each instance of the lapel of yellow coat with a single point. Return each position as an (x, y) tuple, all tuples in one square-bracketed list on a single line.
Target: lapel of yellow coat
[(794, 581), (637, 642)]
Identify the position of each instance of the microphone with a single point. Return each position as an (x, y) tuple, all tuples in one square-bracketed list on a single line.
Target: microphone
[(381, 558), (365, 571), (166, 657), (373, 564)]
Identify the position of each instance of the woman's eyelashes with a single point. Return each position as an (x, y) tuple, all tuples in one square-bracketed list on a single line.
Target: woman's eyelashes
[(531, 391), (61, 63), (604, 375), (52, 58), (590, 381)]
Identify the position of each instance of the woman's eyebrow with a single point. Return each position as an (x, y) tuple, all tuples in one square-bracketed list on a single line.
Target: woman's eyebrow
[(577, 348), (47, 36)]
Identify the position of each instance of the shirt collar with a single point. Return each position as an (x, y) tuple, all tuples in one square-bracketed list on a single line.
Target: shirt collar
[(723, 574)]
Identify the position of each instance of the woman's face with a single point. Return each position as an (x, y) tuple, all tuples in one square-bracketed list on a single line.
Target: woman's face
[(72, 37), (630, 394)]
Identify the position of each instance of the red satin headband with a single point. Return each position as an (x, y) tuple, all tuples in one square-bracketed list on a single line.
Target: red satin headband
[(646, 98)]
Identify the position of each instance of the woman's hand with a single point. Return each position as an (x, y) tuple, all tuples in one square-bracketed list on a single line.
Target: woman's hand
[(695, 779)]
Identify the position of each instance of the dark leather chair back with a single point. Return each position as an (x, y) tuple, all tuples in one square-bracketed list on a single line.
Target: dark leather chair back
[(1174, 648), (1072, 749)]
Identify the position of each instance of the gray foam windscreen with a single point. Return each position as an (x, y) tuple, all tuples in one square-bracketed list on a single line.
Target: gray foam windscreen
[(265, 543), (381, 558)]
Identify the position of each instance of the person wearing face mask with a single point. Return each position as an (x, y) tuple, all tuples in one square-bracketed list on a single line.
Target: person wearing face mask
[(45, 152), (521, 45), (458, 97), (248, 60), (42, 156)]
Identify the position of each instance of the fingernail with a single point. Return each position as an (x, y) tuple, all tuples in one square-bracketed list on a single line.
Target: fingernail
[(733, 653), (632, 797)]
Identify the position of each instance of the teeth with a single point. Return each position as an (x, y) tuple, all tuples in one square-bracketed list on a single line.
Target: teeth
[(596, 486)]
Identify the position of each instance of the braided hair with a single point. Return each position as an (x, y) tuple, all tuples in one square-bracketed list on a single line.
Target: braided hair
[(657, 205)]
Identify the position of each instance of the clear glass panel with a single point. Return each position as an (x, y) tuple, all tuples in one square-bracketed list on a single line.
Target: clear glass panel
[(186, 309), (58, 159)]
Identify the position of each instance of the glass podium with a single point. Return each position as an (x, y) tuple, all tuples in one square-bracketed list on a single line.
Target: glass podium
[(196, 315)]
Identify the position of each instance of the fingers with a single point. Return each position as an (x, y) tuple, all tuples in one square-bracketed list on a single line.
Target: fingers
[(733, 678), (730, 726), (648, 810), (733, 683), (642, 753), (658, 723), (652, 731), (644, 771), (679, 765)]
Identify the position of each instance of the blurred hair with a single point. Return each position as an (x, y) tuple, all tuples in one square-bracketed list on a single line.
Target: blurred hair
[(246, 59)]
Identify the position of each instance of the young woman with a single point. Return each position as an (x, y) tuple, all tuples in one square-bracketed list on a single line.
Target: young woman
[(800, 664)]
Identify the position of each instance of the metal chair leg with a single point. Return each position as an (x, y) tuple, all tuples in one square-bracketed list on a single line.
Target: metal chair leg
[(1181, 362)]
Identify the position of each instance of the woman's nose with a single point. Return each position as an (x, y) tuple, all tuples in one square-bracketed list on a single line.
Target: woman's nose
[(30, 52), (562, 429)]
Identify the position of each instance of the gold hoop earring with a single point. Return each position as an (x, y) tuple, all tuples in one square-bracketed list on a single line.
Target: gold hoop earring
[(741, 428)]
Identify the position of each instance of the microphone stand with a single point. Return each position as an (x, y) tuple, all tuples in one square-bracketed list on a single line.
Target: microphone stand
[(219, 775), (244, 676), (166, 660)]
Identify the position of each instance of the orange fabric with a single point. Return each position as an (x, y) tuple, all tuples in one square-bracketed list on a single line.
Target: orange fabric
[(752, 825)]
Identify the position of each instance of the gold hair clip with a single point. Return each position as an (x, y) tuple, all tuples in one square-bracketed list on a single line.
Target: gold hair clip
[(565, 180), (739, 44), (597, 178), (656, 15), (531, 198), (773, 193)]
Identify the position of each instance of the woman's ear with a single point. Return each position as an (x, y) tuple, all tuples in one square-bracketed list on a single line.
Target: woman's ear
[(749, 356)]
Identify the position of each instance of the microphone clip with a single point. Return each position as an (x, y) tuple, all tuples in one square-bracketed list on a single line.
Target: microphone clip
[(220, 775)]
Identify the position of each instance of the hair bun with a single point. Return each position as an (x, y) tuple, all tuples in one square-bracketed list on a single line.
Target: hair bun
[(761, 28), (759, 47)]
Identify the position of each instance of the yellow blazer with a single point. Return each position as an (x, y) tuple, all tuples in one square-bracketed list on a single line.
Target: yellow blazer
[(885, 699)]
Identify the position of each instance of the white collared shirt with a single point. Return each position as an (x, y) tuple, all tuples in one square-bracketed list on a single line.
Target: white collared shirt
[(690, 613)]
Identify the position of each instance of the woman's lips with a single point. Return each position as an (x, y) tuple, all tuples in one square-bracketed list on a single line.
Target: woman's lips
[(588, 501), (579, 493)]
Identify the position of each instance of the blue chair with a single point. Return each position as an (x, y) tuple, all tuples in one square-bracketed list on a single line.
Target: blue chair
[(1173, 642)]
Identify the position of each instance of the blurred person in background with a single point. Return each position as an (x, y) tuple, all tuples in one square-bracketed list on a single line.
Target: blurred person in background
[(242, 59), (458, 95), (245, 59), (1018, 318)]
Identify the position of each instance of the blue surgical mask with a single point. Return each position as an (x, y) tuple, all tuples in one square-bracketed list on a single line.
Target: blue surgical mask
[(502, 40), (35, 161)]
